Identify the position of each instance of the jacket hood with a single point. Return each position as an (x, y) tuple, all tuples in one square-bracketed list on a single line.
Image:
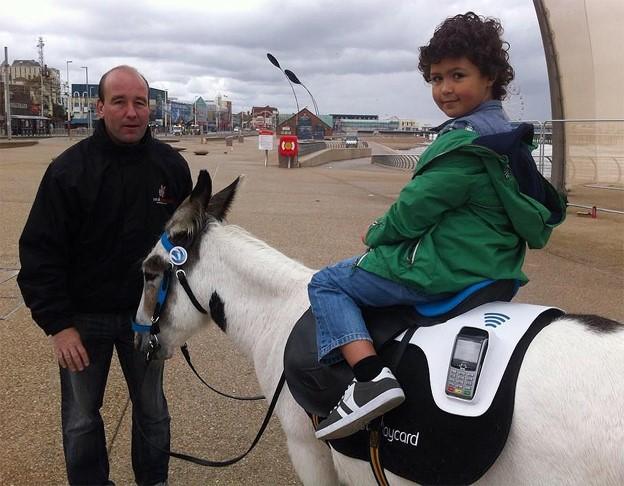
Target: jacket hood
[(532, 203)]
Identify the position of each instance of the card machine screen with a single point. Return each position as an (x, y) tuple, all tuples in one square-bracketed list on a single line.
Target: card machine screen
[(466, 360), (466, 352)]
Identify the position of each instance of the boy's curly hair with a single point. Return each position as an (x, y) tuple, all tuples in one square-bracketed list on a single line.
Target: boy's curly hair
[(476, 38)]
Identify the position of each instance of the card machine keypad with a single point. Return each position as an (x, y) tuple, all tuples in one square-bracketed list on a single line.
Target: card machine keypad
[(465, 364)]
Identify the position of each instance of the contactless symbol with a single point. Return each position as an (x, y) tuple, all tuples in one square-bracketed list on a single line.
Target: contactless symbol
[(495, 319), (178, 255)]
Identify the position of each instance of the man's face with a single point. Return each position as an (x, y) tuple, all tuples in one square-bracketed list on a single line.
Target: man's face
[(125, 108), (458, 86)]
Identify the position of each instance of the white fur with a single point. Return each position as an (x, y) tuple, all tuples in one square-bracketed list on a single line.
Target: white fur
[(568, 423)]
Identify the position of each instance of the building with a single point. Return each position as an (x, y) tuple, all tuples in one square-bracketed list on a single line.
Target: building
[(408, 125), (338, 118), (28, 75), (305, 124), (264, 117), (200, 110), (181, 113)]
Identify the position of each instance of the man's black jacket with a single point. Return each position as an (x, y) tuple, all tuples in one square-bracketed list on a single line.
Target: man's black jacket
[(99, 210)]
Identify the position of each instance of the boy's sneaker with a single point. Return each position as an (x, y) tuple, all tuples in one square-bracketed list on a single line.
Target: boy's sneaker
[(362, 402)]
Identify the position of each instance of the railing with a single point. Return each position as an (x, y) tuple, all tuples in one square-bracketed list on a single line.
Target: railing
[(407, 162)]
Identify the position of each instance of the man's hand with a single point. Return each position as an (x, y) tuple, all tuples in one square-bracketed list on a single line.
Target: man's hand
[(69, 350)]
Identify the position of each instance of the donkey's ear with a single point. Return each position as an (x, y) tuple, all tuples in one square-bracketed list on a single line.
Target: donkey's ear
[(189, 218), (220, 203), (202, 191)]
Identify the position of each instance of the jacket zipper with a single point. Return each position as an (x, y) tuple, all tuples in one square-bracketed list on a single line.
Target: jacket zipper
[(357, 263), (413, 256)]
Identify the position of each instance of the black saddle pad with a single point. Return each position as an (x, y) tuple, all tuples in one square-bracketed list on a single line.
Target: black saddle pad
[(419, 441)]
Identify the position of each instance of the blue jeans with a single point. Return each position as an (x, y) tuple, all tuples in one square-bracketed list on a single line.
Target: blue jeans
[(84, 443), (336, 294)]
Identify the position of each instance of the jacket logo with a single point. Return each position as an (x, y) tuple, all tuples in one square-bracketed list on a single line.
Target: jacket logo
[(162, 197)]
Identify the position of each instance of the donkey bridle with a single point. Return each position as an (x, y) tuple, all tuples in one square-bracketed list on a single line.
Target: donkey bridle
[(177, 257)]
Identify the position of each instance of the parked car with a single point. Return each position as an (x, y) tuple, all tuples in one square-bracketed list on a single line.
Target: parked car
[(351, 141)]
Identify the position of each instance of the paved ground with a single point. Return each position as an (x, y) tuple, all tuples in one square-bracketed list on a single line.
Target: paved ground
[(314, 215)]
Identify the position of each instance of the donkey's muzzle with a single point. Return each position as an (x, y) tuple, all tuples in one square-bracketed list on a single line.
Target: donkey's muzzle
[(148, 344)]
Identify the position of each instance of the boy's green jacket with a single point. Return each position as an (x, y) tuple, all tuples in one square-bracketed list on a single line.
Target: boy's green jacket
[(460, 220)]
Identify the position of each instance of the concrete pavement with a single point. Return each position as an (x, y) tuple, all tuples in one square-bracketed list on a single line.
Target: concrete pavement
[(315, 215)]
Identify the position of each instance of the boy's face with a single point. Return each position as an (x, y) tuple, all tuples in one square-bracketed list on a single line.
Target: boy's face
[(458, 86)]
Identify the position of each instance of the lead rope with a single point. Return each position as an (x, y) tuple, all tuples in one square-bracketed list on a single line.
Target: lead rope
[(228, 462), (187, 357)]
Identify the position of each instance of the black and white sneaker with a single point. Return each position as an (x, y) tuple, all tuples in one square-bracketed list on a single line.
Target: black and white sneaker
[(362, 402)]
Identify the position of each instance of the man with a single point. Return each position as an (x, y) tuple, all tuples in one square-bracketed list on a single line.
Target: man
[(100, 207)]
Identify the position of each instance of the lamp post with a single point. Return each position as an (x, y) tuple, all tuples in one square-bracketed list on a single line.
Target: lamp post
[(293, 77), (88, 97), (275, 63), (69, 100), (7, 94)]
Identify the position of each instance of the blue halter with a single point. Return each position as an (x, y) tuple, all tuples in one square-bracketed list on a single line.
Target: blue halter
[(177, 257)]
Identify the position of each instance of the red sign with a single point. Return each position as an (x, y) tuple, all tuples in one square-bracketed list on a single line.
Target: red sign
[(288, 145), (265, 132)]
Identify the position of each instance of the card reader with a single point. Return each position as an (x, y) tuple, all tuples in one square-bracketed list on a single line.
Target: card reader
[(466, 360)]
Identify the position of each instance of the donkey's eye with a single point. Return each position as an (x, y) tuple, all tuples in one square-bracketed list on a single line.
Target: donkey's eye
[(149, 276)]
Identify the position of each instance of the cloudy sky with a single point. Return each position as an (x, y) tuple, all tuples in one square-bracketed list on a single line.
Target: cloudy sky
[(355, 56)]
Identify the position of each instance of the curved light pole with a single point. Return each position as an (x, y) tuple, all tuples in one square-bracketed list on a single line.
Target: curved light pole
[(275, 63), (293, 77)]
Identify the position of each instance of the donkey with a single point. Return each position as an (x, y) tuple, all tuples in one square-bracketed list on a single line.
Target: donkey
[(568, 425)]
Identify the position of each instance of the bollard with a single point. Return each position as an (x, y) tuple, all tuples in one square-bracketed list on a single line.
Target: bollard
[(594, 214)]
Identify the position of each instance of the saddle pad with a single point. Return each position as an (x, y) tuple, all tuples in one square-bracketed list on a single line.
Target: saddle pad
[(423, 443), (505, 324)]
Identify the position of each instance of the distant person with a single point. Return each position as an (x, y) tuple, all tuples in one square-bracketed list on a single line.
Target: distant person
[(473, 204), (101, 206)]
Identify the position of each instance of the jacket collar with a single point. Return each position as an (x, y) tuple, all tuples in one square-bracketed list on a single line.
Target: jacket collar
[(103, 140)]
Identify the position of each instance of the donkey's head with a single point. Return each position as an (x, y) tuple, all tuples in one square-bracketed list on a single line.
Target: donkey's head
[(170, 311)]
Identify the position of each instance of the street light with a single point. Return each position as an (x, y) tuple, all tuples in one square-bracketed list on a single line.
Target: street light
[(293, 77), (88, 97), (69, 100), (275, 63)]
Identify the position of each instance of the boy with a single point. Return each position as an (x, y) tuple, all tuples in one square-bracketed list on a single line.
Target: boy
[(474, 203)]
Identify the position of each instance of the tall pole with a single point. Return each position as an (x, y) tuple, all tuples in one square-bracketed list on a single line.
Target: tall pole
[(275, 63), (86, 68), (7, 96), (69, 101), (40, 45), (293, 77)]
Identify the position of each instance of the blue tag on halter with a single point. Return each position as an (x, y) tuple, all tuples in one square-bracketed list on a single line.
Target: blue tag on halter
[(178, 255)]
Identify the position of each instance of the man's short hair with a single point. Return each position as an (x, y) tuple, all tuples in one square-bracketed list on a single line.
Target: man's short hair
[(116, 68)]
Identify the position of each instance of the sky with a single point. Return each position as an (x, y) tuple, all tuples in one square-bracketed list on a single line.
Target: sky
[(354, 56)]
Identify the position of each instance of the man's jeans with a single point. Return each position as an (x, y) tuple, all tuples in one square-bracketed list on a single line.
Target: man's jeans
[(82, 393), (336, 295)]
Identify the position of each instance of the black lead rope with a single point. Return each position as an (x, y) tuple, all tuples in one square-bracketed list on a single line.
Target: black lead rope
[(181, 274), (228, 462), (187, 356)]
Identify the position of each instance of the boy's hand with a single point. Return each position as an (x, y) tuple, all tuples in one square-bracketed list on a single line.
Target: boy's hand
[(69, 350)]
